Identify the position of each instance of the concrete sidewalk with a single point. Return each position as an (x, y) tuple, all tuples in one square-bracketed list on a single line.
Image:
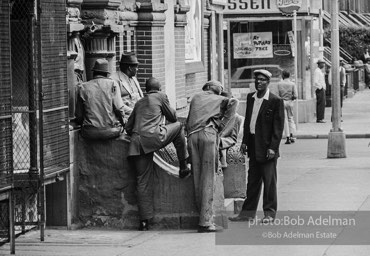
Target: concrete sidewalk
[(307, 181), (356, 119)]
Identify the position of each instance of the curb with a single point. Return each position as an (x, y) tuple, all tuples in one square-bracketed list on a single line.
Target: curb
[(325, 136)]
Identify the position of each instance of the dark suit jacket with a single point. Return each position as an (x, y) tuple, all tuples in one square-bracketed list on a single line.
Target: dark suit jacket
[(146, 123), (269, 126)]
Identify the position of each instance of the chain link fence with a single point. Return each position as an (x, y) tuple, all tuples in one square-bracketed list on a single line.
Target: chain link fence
[(24, 107)]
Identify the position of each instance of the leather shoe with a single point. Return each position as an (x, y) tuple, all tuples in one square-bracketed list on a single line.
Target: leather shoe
[(241, 218), (184, 173), (267, 219), (320, 121), (209, 229)]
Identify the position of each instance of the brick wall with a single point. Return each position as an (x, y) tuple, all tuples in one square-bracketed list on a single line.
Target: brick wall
[(150, 52)]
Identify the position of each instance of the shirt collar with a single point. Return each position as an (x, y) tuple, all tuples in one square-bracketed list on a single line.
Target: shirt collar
[(265, 97)]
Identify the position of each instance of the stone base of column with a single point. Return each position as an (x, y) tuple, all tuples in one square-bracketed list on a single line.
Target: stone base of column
[(337, 145)]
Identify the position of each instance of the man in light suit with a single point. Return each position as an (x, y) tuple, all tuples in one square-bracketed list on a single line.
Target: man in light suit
[(148, 134), (126, 78), (263, 128)]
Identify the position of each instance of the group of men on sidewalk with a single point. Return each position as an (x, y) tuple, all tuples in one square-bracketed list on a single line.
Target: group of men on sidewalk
[(107, 105)]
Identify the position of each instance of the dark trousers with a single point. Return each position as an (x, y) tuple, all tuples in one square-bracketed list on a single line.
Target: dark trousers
[(144, 168), (176, 135), (258, 173), (320, 104), (144, 178)]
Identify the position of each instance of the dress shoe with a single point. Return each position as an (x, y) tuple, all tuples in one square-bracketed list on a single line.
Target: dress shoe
[(209, 229), (144, 225), (288, 141), (292, 139), (184, 173), (320, 121), (267, 219), (241, 218)]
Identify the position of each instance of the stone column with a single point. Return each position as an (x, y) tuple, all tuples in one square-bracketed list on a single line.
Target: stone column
[(150, 40), (74, 26), (101, 26)]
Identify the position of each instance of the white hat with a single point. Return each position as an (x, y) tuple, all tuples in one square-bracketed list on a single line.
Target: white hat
[(263, 72)]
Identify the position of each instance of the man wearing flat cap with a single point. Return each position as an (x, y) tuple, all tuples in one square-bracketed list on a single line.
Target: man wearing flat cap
[(126, 78), (263, 128), (209, 114), (99, 107), (320, 85)]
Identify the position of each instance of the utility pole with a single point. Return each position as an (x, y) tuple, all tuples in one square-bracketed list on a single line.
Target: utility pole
[(337, 138)]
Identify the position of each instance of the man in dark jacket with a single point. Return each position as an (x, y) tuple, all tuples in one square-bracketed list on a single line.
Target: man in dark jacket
[(146, 126), (263, 128)]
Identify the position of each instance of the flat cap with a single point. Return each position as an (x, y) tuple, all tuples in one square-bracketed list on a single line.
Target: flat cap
[(212, 83), (263, 72), (320, 61)]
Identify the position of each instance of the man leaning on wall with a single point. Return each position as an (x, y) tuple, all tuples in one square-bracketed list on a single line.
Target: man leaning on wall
[(148, 134)]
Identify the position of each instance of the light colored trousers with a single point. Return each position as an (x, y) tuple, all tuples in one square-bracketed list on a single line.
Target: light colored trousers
[(203, 150), (289, 125)]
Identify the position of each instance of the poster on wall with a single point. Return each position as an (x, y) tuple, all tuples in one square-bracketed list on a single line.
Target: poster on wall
[(291, 40), (253, 45)]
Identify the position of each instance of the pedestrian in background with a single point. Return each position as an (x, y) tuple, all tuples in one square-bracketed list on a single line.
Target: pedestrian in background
[(342, 80), (209, 114), (263, 129), (319, 84), (99, 107), (288, 92), (126, 78), (367, 72), (365, 55), (149, 133)]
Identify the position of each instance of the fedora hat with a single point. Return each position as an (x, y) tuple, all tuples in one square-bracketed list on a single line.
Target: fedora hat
[(264, 72), (101, 65), (129, 58)]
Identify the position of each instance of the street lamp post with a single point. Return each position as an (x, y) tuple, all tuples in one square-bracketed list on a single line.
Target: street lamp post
[(337, 138)]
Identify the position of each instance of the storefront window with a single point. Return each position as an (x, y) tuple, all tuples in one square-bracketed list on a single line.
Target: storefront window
[(267, 44)]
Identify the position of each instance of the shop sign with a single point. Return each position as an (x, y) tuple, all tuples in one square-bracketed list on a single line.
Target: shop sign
[(219, 2), (253, 45), (288, 6), (250, 6), (265, 6), (282, 50)]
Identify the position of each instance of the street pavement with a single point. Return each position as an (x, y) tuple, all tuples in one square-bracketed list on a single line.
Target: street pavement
[(307, 181), (355, 116)]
